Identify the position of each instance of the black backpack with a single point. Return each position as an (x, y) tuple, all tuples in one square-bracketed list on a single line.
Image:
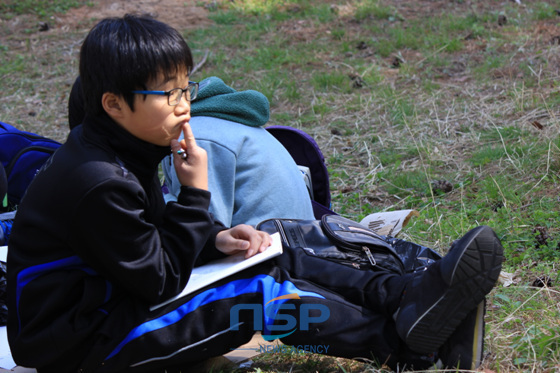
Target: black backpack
[(306, 152)]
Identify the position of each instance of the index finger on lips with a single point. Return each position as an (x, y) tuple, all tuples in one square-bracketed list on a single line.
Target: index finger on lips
[(189, 136)]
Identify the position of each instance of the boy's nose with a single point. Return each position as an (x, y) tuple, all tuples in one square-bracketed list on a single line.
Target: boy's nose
[(183, 107)]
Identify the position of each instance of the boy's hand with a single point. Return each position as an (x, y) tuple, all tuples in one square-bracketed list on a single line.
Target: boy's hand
[(243, 238), (192, 170)]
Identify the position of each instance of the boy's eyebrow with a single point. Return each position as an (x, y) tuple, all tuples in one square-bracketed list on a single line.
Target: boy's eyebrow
[(162, 83), (170, 78)]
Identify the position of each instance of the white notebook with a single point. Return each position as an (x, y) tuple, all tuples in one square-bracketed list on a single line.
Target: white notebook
[(218, 269)]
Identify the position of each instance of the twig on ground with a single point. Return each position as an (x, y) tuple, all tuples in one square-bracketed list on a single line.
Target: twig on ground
[(202, 62)]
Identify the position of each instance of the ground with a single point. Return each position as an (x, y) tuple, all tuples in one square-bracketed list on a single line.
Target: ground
[(177, 13), (520, 95)]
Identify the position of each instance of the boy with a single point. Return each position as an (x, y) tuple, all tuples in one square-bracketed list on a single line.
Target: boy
[(94, 245)]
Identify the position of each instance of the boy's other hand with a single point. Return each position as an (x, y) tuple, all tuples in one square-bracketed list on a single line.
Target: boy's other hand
[(192, 170), (243, 238)]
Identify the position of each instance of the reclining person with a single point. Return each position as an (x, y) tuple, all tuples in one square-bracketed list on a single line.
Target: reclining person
[(94, 245)]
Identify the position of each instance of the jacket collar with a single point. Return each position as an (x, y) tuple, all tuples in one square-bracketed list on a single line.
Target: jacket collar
[(139, 156)]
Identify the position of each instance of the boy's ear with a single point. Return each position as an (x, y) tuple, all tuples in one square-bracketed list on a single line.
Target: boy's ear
[(114, 105)]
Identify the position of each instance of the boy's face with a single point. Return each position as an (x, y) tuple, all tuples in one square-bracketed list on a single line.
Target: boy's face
[(153, 119)]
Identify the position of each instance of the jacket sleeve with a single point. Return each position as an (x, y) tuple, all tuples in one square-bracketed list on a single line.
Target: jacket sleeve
[(152, 263)]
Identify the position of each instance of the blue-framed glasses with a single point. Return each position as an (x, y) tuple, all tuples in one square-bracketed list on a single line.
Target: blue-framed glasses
[(174, 95)]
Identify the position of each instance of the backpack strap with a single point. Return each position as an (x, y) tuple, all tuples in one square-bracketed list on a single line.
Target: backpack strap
[(22, 154)]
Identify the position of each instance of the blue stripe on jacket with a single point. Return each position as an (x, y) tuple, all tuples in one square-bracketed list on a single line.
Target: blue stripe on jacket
[(31, 273)]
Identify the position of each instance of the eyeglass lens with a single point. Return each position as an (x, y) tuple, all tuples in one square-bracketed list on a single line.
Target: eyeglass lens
[(175, 94)]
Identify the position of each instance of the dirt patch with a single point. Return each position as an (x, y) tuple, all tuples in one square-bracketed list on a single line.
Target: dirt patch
[(177, 13), (26, 28)]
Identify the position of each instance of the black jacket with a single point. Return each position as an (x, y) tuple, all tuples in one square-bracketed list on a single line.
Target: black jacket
[(93, 238)]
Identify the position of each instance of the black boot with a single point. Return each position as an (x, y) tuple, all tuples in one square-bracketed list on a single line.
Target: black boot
[(436, 300)]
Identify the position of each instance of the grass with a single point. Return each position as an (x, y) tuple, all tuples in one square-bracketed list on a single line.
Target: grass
[(40, 8), (399, 95)]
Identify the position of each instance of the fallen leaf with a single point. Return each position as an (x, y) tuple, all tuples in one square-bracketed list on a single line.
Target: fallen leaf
[(543, 281), (396, 62), (506, 279), (541, 235), (537, 125), (502, 20)]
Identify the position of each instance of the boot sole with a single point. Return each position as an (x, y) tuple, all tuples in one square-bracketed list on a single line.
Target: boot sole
[(478, 338), (474, 276), (464, 350)]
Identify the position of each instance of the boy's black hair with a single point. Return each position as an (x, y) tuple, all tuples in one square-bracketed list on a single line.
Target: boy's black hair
[(120, 55)]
